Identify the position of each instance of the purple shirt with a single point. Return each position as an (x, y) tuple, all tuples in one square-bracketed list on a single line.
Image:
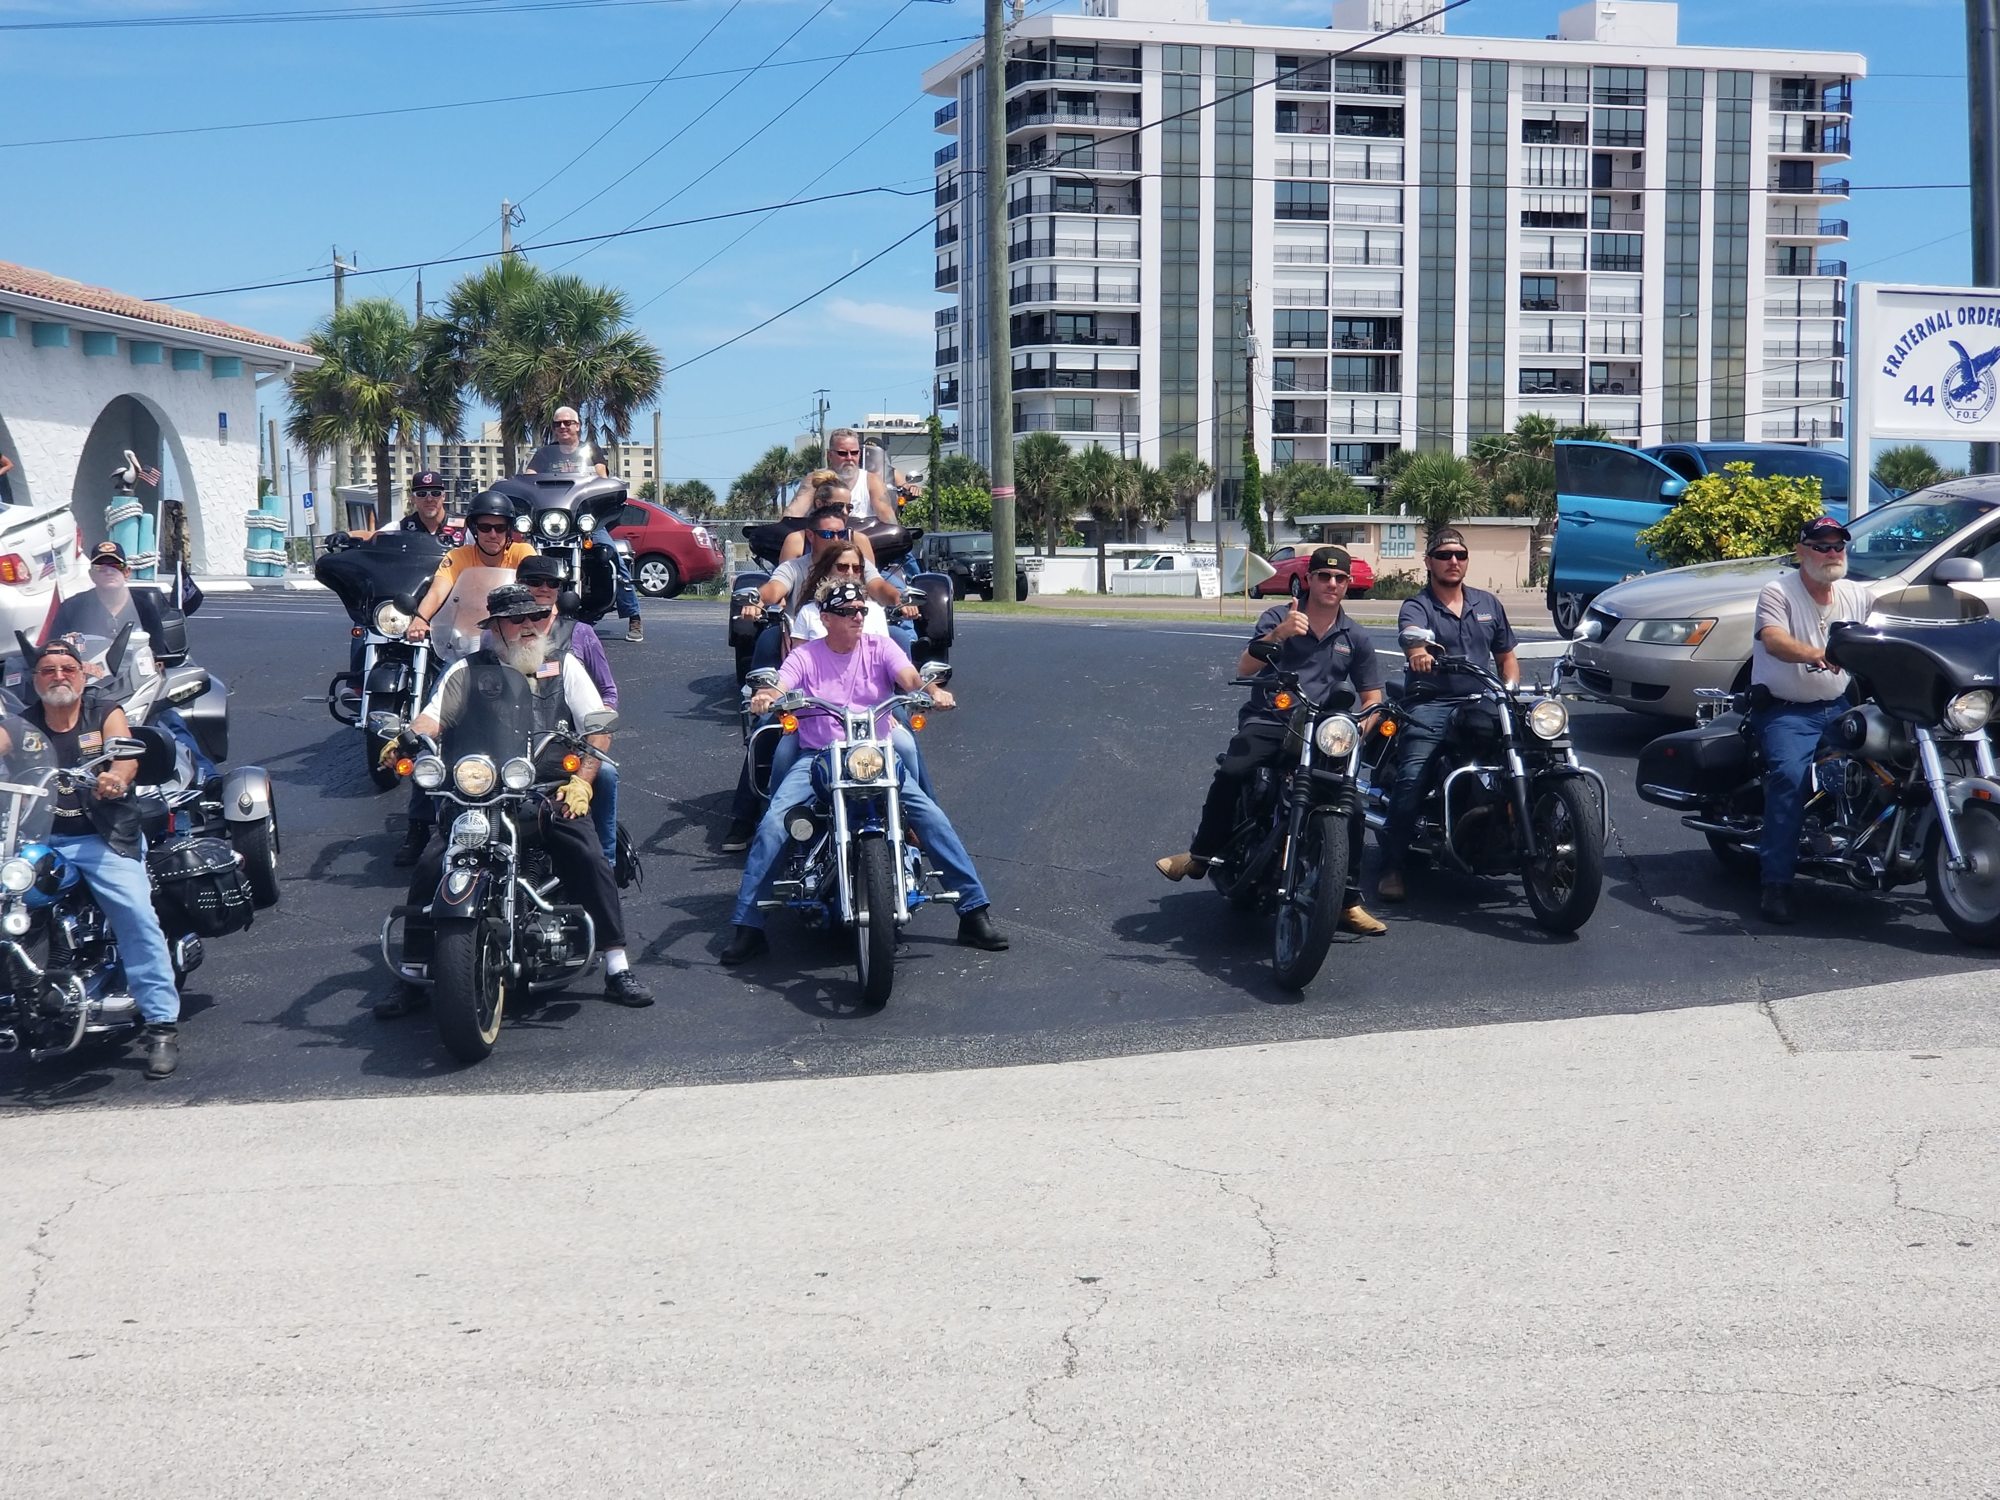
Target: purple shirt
[(865, 675), (589, 650)]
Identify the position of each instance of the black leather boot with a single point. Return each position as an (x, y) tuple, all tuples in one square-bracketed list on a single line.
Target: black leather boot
[(976, 930)]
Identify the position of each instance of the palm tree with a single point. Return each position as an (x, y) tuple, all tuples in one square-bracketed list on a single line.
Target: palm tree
[(562, 341), (1041, 459), (370, 387), (691, 497), (471, 320), (759, 489), (1187, 476), (1440, 487), (1910, 466), (1095, 481), (1305, 488)]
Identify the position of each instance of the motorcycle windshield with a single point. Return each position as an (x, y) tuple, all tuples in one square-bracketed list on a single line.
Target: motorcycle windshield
[(550, 459), (27, 807), (386, 566), (455, 628)]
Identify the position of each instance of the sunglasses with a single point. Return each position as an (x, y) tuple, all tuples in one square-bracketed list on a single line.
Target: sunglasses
[(1328, 575), (535, 618), (845, 611), (72, 670), (847, 453), (832, 536), (1824, 547), (1451, 556), (491, 526), (565, 422), (428, 494), (847, 568)]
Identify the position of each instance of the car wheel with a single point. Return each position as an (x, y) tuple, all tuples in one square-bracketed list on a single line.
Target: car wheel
[(657, 577), (1566, 609)]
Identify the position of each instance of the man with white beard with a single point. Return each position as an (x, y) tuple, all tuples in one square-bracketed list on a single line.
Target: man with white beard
[(1807, 693), (870, 497), (559, 691)]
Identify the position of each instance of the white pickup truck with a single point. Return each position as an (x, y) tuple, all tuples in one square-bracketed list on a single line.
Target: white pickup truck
[(40, 554)]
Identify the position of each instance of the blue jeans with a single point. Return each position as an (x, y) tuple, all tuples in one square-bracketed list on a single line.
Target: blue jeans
[(125, 895), (621, 572), (940, 840), (1788, 734), (1418, 740), (904, 633), (604, 809), (743, 806)]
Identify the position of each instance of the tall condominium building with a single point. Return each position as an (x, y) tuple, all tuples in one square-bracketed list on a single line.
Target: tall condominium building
[(1423, 239)]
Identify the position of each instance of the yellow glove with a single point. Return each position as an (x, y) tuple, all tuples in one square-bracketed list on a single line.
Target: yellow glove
[(574, 795), (389, 753)]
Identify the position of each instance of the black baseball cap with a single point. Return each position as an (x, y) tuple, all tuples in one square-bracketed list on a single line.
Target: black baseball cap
[(539, 569), (1330, 557), (1825, 529), (1446, 536), (430, 479), (110, 552)]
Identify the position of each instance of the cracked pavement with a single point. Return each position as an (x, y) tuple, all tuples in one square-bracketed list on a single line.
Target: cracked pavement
[(1682, 1252)]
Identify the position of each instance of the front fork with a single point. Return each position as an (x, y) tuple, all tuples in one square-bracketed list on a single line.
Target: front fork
[(1940, 790), (843, 840)]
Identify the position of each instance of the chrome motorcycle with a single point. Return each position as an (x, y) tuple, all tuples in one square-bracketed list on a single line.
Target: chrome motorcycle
[(379, 582)]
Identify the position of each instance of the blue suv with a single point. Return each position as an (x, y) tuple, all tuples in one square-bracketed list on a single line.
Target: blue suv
[(1606, 494)]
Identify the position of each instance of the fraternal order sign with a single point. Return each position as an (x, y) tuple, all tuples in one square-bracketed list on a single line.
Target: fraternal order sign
[(1927, 357)]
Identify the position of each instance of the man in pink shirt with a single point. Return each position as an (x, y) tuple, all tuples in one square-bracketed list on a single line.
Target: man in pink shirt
[(851, 668)]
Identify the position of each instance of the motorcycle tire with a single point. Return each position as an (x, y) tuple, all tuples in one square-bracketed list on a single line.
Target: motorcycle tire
[(469, 987), (1564, 883), (875, 922), (1733, 857), (1306, 923), (1967, 901), (256, 844), (384, 777)]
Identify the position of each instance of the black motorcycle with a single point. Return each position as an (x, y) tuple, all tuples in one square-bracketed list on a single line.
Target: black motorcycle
[(559, 513), (1289, 850), (1903, 786), (379, 582), (1506, 794), (494, 930)]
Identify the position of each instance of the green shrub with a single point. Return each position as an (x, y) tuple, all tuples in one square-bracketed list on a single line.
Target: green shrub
[(1401, 584), (1734, 513)]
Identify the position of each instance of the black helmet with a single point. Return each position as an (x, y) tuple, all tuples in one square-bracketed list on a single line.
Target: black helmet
[(490, 503)]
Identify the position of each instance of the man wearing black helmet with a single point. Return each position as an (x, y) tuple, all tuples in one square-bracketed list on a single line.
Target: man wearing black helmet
[(561, 691), (495, 544)]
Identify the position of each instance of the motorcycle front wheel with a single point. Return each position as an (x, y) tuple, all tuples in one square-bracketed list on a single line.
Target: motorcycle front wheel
[(1307, 922), (469, 992), (1564, 881), (1967, 901), (875, 919), (384, 777)]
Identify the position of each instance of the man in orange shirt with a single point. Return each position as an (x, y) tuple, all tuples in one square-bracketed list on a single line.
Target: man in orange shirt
[(495, 544)]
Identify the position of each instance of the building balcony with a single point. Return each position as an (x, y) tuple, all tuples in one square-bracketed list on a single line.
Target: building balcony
[(1626, 387), (947, 356), (1049, 203), (1789, 183), (1804, 227), (1043, 338), (1302, 212), (1804, 96), (1618, 139), (1555, 93), (1364, 418), (1072, 159), (946, 117), (1351, 297), (1810, 137), (1787, 265), (1560, 302), (1073, 249), (1356, 255), (1362, 343), (947, 393), (1806, 390), (1605, 260), (1807, 349), (1570, 174), (1091, 117), (1550, 260), (945, 155), (1368, 164), (1299, 255), (1076, 380), (1358, 125), (1310, 385), (1617, 180), (1292, 119), (1291, 423), (1623, 220), (1296, 165), (946, 276), (1803, 426), (1550, 383), (1293, 296), (945, 317), (1623, 307), (1554, 133), (1367, 213), (945, 236), (1113, 425), (946, 194), (1025, 72), (1626, 98), (1618, 347), (1546, 344), (1815, 305), (1070, 292)]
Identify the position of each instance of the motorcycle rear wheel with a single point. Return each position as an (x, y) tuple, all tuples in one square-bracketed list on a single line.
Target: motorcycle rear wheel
[(1307, 922), (1967, 901), (1563, 884), (469, 993), (875, 920)]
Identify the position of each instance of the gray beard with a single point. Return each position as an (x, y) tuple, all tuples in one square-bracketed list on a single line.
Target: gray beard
[(526, 656), (60, 697), (1825, 572)]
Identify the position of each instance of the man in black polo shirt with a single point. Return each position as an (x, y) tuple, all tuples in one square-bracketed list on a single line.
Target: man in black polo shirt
[(1467, 622), (1327, 651)]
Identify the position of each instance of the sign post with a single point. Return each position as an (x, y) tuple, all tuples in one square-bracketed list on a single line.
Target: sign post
[(1925, 365)]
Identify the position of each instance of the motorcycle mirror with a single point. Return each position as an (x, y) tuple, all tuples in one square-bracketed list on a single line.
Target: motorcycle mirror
[(384, 725), (407, 603), (568, 602), (935, 673), (602, 722), (1416, 635), (763, 677), (1264, 651), (1958, 570)]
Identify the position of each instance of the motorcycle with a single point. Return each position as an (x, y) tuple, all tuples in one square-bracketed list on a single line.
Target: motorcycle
[(494, 929), (846, 863), (892, 545), (1903, 786), (559, 512), (379, 582), (1289, 849), (1506, 793), (60, 980)]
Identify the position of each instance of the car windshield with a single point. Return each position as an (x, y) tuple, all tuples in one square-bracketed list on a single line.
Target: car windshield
[(1887, 540)]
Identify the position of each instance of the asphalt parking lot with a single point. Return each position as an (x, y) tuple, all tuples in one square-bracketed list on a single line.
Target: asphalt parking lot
[(1079, 754)]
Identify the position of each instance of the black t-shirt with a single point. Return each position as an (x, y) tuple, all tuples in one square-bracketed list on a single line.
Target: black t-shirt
[(450, 534), (1342, 658), (1480, 633)]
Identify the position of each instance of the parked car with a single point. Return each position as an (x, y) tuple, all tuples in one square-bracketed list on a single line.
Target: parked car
[(1647, 644), (1291, 564), (669, 551), (1606, 494), (966, 558), (39, 553)]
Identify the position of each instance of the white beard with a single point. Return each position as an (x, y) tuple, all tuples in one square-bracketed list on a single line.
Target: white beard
[(526, 655), (59, 696), (1825, 571), (850, 475)]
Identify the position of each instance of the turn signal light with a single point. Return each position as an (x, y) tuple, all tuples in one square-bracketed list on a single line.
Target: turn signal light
[(1282, 702), (355, 632), (917, 721), (1387, 729), (572, 762), (789, 723), (404, 765)]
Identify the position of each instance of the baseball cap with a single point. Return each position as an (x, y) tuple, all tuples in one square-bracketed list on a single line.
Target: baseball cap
[(1446, 536), (110, 552), (1822, 530), (539, 569), (430, 479), (1330, 557), (60, 647)]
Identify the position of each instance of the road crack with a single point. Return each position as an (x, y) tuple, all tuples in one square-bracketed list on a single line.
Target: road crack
[(45, 1260), (1225, 1184), (1896, 1198)]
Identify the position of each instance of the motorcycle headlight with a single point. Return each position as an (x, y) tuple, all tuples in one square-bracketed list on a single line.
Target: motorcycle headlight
[(1670, 632), (428, 772), (864, 763), (471, 829), (553, 523), (16, 922), (1547, 719), (1335, 736), (585, 523), (17, 877), (474, 776), (389, 620), (1963, 715), (518, 774)]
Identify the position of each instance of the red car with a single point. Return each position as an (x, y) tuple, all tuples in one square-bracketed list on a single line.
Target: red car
[(669, 552), (1291, 563)]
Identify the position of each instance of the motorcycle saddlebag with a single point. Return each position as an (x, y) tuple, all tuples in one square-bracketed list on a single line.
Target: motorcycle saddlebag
[(199, 887), (1679, 770)]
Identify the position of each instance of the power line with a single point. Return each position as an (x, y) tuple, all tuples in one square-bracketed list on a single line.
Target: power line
[(421, 10)]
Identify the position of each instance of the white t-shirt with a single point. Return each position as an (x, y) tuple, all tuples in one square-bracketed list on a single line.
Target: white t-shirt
[(810, 627), (1785, 603), (792, 574)]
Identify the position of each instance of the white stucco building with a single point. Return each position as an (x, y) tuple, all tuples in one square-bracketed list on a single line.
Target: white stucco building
[(1431, 235), (86, 373)]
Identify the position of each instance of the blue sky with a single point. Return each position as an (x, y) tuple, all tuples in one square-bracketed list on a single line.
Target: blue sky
[(166, 215)]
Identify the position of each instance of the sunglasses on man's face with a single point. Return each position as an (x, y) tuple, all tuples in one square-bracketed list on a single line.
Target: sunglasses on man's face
[(846, 611), (63, 669), (832, 536), (565, 422), (491, 526), (1328, 575), (1451, 556), (847, 453), (534, 619), (1825, 547), (428, 494)]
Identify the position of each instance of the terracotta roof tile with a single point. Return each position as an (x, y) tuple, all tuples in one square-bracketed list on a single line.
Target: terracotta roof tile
[(32, 283)]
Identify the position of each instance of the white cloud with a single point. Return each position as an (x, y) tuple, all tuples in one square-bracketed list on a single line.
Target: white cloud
[(890, 318)]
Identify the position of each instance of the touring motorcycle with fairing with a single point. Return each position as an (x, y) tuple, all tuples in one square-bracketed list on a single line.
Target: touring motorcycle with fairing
[(379, 581)]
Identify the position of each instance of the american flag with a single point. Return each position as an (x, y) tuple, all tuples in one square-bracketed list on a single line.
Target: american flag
[(149, 476)]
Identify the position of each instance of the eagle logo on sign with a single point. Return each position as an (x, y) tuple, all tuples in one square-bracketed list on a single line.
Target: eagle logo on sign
[(1971, 390)]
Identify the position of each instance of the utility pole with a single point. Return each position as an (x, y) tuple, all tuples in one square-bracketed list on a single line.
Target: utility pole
[(819, 398), (506, 227), (1982, 83), (1249, 405), (423, 428), (659, 463), (339, 456), (999, 345)]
